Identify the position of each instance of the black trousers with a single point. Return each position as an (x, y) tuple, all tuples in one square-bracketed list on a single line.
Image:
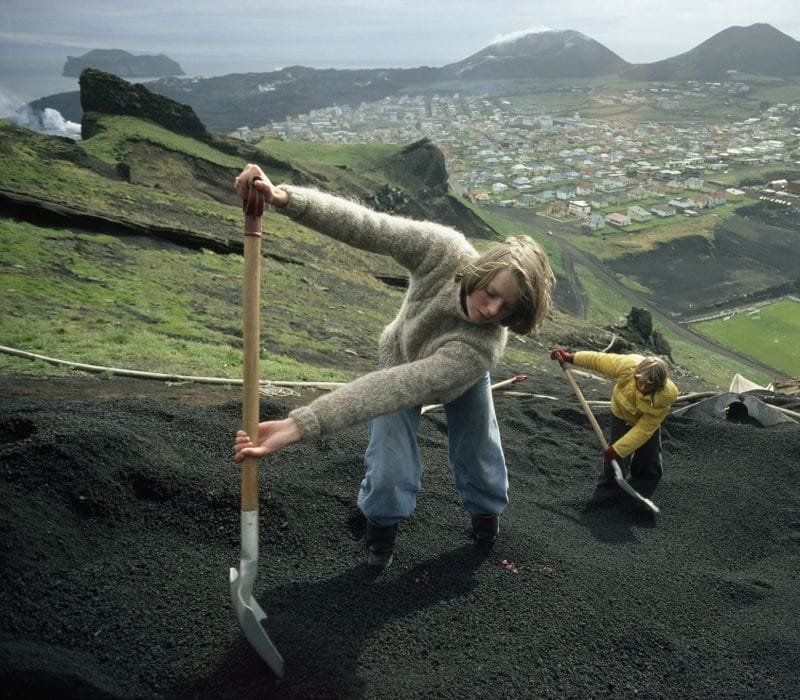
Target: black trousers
[(645, 462)]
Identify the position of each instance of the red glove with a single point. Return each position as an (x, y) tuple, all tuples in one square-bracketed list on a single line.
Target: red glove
[(562, 355), (609, 454)]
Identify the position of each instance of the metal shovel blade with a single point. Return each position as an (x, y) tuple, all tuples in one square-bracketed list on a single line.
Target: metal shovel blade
[(627, 488), (251, 616)]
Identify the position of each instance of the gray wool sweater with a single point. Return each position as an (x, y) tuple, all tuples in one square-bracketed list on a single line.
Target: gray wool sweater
[(431, 352)]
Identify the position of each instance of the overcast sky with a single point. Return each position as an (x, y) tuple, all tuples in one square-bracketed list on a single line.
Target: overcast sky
[(250, 35)]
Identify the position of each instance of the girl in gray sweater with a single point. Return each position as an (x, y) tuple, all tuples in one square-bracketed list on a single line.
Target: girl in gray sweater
[(449, 332)]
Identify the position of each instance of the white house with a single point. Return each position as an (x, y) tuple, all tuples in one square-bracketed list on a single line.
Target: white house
[(579, 207), (663, 210)]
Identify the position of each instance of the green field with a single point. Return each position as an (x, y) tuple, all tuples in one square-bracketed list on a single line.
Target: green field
[(768, 333)]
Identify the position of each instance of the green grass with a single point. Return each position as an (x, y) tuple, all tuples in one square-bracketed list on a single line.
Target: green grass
[(154, 306), (768, 333), (606, 306), (112, 143), (106, 300), (95, 299), (60, 173), (512, 227), (340, 155)]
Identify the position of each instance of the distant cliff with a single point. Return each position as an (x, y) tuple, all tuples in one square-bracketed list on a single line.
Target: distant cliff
[(123, 64), (105, 93), (416, 186)]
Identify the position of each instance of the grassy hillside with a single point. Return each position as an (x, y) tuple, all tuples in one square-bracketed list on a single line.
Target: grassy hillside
[(125, 251), (152, 280)]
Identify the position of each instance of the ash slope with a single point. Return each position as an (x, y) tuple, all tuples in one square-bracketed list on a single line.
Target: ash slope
[(119, 523)]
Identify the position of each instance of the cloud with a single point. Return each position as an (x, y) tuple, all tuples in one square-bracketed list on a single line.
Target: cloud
[(48, 121), (357, 33), (9, 103), (513, 36)]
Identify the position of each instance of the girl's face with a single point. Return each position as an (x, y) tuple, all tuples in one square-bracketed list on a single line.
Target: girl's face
[(495, 302)]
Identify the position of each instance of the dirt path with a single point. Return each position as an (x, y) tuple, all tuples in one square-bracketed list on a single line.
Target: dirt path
[(577, 292)]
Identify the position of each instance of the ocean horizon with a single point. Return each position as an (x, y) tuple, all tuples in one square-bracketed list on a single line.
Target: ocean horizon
[(29, 73)]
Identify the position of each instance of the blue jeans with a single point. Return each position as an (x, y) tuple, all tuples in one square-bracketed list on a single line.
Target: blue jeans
[(388, 493)]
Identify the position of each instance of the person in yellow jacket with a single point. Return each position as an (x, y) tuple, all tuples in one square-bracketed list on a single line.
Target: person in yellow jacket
[(640, 401)]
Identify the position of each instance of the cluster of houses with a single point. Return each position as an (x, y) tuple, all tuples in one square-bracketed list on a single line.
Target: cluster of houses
[(786, 192), (580, 201), (687, 206), (504, 153)]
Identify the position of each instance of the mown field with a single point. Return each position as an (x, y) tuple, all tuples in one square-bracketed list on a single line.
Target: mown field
[(770, 333)]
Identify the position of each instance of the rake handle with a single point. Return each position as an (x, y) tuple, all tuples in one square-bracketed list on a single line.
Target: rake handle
[(253, 208)]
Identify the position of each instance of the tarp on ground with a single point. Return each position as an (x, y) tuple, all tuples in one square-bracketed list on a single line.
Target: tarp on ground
[(740, 384), (740, 408)]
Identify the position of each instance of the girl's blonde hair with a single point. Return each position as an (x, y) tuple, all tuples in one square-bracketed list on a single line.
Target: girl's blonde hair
[(653, 372), (528, 264)]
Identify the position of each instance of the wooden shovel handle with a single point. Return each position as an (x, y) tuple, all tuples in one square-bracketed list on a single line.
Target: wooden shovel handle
[(586, 409), (253, 208)]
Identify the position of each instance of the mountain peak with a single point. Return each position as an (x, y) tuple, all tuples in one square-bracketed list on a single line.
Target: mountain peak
[(537, 40), (544, 54), (758, 49)]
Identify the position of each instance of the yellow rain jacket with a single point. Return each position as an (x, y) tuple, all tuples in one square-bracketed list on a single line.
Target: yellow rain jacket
[(643, 413)]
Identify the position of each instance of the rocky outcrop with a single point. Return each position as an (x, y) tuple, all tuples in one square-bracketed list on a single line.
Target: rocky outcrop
[(419, 190), (104, 93), (635, 333)]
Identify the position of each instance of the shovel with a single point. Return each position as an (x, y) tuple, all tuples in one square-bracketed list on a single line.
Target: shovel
[(251, 616), (624, 485)]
